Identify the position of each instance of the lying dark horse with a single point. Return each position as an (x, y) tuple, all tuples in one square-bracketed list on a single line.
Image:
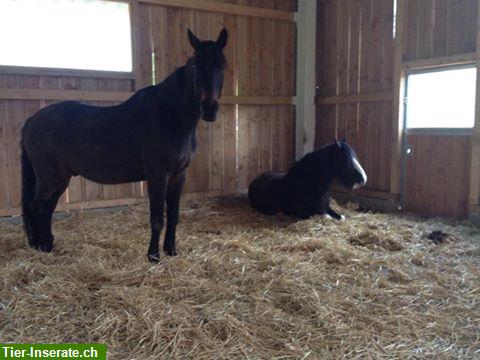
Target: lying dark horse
[(151, 137), (302, 191)]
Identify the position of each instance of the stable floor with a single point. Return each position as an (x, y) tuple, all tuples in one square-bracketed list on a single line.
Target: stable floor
[(247, 285)]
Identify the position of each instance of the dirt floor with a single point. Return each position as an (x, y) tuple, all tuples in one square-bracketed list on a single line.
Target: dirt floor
[(247, 286)]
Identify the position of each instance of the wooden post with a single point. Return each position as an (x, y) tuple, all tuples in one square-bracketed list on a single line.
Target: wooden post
[(305, 107), (398, 94)]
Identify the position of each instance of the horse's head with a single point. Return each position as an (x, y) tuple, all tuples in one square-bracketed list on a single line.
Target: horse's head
[(209, 63), (349, 172)]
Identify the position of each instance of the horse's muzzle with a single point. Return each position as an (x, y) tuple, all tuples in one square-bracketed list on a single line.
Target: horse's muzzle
[(209, 110)]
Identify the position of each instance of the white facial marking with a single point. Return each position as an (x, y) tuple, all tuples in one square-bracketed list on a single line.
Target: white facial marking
[(359, 168)]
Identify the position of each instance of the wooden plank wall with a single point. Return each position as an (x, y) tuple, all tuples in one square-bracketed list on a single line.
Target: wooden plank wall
[(13, 114), (440, 175), (355, 81), (250, 135), (361, 67)]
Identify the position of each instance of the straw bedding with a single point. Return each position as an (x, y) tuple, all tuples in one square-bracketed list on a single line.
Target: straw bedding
[(247, 286)]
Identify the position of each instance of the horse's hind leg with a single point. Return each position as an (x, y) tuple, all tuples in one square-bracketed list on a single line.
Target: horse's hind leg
[(46, 199)]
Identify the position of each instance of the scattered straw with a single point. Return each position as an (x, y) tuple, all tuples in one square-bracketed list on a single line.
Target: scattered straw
[(247, 286)]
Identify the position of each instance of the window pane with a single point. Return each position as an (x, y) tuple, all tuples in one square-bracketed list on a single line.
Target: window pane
[(75, 34), (441, 99)]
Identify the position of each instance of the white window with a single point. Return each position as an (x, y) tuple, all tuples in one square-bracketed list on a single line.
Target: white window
[(74, 34), (441, 98)]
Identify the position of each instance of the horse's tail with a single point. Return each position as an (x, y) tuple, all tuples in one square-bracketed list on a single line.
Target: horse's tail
[(28, 193)]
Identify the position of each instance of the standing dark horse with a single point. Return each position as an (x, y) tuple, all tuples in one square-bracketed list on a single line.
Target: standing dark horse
[(302, 191), (151, 137)]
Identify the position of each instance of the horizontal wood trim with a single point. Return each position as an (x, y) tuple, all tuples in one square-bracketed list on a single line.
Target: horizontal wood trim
[(365, 192), (258, 100), (39, 71), (81, 205), (462, 59), (81, 95), (117, 96), (226, 8), (98, 204), (381, 96)]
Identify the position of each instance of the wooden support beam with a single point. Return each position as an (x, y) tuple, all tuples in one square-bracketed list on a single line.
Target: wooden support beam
[(462, 59), (398, 92), (226, 8), (118, 96), (355, 98)]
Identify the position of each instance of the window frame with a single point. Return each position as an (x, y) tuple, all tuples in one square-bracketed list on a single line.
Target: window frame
[(90, 73), (437, 130)]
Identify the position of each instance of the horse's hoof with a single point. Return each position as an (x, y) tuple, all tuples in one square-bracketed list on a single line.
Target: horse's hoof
[(342, 218), (170, 252), (154, 258), (46, 247)]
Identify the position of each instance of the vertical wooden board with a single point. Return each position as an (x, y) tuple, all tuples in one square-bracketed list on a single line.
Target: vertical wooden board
[(230, 51), (329, 87), (159, 33), (242, 61), (141, 47), (255, 70), (366, 36), (375, 45), (342, 22), (387, 47), (410, 30), (265, 139), (230, 147), (425, 27), (290, 59), (324, 125), (288, 145), (320, 63), (364, 139), (440, 28), (354, 47), (276, 138), (243, 146), (254, 137), (4, 173), (385, 153), (173, 44), (278, 63)]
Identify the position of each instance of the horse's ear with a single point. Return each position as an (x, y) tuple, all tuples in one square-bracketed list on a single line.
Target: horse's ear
[(342, 139), (222, 38), (194, 40), (336, 142)]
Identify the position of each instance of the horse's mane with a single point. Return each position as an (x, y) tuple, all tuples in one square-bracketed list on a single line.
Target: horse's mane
[(166, 91)]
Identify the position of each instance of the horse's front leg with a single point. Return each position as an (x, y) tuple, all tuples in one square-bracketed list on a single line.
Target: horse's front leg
[(174, 191), (157, 188)]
